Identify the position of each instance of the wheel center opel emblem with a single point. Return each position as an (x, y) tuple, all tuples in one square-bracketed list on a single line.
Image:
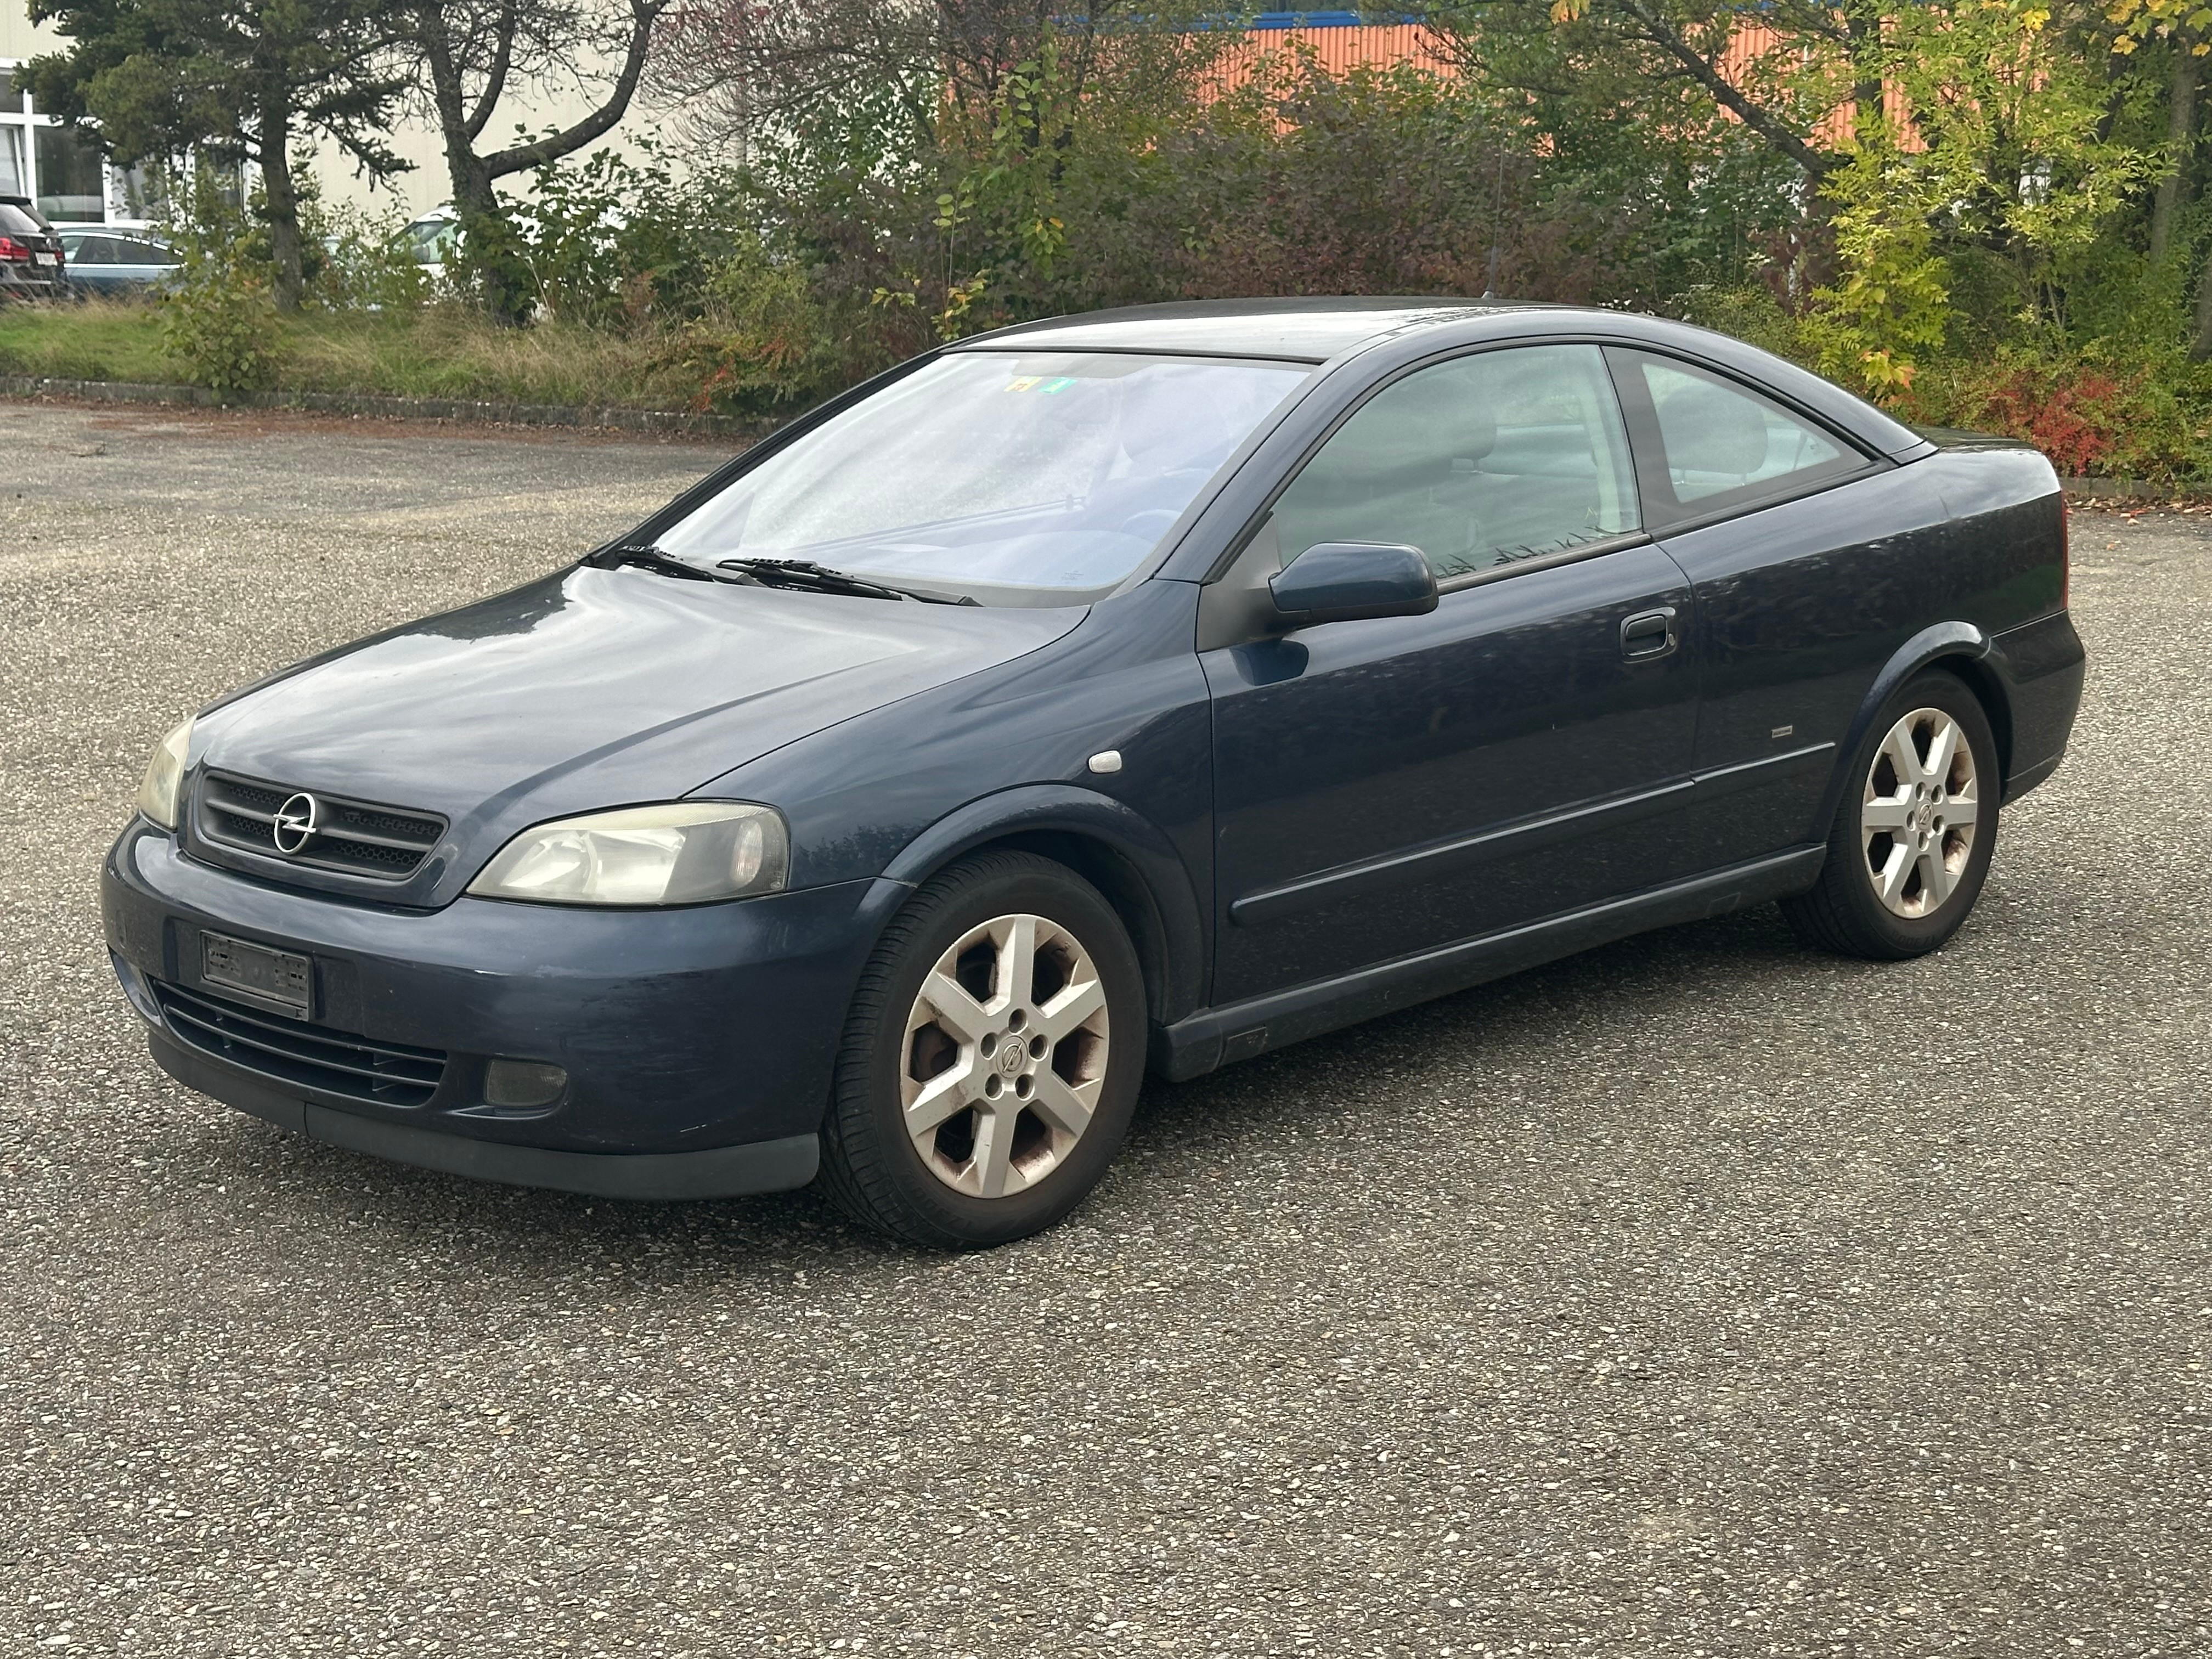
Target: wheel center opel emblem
[(297, 822)]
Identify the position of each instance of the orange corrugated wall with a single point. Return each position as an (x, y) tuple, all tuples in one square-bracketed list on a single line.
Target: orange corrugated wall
[(1339, 48)]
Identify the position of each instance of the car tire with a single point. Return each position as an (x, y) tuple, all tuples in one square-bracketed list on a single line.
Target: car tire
[(991, 1059), (1914, 833)]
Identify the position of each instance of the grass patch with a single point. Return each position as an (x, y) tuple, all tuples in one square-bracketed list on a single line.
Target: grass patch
[(436, 351), (100, 340)]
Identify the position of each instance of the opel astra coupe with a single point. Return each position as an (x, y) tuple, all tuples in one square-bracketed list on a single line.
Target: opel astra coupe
[(1150, 689)]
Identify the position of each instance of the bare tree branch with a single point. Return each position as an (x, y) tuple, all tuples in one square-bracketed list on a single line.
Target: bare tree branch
[(1654, 30), (494, 84)]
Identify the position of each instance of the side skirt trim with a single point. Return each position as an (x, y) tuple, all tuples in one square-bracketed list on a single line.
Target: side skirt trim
[(1215, 1037)]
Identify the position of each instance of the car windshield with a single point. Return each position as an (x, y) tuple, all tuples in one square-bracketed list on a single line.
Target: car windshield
[(427, 240), (1017, 477)]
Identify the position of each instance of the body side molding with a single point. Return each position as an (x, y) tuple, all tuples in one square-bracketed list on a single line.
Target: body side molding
[(1444, 858)]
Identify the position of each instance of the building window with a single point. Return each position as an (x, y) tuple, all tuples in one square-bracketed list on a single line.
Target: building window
[(72, 179), (15, 165), (66, 175), (138, 192)]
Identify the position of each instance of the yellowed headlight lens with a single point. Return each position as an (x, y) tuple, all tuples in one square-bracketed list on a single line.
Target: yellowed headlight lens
[(165, 776)]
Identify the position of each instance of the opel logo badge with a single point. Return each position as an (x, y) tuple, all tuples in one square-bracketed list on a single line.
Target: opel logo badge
[(297, 822)]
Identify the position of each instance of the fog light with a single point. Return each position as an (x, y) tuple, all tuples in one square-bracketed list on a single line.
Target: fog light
[(135, 988), (523, 1083)]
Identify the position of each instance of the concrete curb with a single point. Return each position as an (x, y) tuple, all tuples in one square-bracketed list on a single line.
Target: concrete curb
[(670, 421), (2133, 489)]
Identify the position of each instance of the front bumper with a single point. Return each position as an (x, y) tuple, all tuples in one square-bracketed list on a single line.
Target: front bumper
[(699, 1043), (760, 1166)]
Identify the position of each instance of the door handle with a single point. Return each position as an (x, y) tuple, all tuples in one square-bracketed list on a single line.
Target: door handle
[(1648, 633)]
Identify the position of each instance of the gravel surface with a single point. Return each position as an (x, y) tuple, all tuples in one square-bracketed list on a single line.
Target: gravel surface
[(1699, 1296)]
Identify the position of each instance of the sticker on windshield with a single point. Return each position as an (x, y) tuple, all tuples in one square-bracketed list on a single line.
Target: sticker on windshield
[(1039, 384)]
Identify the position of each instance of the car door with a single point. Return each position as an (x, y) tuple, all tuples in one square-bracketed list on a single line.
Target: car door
[(144, 263), (1386, 786), (92, 263), (1808, 559)]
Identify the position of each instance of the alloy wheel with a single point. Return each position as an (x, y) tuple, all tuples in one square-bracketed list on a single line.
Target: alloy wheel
[(1918, 813), (1004, 1053)]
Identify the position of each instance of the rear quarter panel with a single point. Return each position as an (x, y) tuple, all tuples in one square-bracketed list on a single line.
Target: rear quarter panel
[(1808, 610)]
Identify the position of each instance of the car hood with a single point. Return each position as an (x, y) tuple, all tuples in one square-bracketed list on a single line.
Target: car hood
[(588, 690)]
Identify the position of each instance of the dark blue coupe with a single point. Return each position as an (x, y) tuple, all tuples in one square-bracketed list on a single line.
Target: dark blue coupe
[(1153, 688)]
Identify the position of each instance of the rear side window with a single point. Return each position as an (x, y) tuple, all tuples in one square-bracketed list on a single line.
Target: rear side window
[(1716, 445), (130, 251), (1479, 462)]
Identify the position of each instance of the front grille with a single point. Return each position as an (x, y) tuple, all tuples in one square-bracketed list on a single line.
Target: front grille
[(312, 1056), (359, 838)]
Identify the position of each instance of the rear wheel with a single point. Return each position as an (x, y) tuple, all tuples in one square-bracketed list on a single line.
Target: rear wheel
[(1915, 831), (991, 1059)]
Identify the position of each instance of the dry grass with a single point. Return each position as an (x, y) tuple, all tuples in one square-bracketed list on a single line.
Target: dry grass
[(436, 351)]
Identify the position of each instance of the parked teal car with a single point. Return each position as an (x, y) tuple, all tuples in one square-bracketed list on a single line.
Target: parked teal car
[(118, 262)]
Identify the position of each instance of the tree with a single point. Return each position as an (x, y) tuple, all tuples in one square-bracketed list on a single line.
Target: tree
[(468, 56), (2185, 26), (1780, 69), (2010, 163), (238, 82)]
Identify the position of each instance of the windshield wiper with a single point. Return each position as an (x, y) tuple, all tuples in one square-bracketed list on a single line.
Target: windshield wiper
[(809, 577), (664, 564)]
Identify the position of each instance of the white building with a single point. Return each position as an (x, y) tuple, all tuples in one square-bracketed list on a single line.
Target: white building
[(73, 184)]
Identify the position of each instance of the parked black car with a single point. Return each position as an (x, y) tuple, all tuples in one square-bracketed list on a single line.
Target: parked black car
[(118, 262), (1156, 687), (32, 263)]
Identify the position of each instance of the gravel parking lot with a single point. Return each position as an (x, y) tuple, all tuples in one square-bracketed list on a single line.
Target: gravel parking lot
[(1699, 1296)]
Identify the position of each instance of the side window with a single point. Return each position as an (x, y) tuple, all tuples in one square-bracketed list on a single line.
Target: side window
[(1721, 445), (1488, 458)]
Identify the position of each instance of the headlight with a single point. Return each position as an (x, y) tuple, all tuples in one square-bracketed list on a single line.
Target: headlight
[(165, 776), (684, 853)]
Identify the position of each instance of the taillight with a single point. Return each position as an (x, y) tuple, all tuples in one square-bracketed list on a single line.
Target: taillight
[(12, 249)]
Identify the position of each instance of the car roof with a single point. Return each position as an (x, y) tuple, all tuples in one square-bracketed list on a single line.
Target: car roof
[(1311, 330), (1325, 328)]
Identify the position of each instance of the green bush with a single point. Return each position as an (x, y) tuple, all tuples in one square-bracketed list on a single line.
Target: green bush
[(2142, 415), (221, 329), (218, 324), (364, 264)]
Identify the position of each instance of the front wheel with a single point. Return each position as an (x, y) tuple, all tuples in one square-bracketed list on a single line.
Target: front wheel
[(991, 1059), (1915, 831)]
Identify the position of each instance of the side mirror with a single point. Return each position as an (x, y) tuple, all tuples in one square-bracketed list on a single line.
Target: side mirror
[(1344, 582)]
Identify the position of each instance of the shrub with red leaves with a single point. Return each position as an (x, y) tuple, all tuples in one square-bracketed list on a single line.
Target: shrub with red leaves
[(2072, 415)]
